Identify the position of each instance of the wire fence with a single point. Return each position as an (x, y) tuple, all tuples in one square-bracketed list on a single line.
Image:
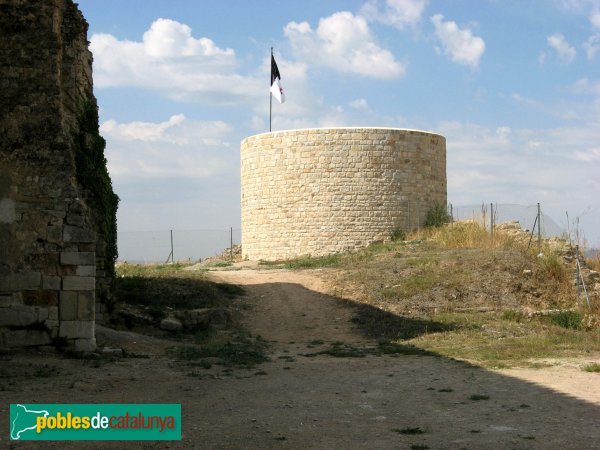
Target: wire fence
[(174, 245), (530, 217), (198, 244)]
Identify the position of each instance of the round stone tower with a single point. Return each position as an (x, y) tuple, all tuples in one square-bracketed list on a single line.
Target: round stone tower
[(327, 190)]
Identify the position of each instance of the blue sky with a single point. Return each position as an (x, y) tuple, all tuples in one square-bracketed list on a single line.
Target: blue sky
[(514, 86)]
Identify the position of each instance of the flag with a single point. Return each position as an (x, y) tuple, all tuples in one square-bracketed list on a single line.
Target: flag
[(276, 88)]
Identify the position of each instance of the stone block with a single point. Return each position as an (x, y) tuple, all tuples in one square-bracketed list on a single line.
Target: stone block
[(26, 338), (85, 305), (118, 352), (170, 324), (78, 258), (85, 345), (7, 210), (75, 283), (68, 305), (44, 262), (76, 329), (53, 313), (54, 234), (75, 219), (42, 314), (77, 234), (51, 282), (21, 281), (87, 247), (8, 300), (18, 316), (86, 271), (40, 298), (65, 271), (52, 326)]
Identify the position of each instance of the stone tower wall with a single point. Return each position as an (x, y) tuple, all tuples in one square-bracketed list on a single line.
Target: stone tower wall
[(48, 238), (323, 191)]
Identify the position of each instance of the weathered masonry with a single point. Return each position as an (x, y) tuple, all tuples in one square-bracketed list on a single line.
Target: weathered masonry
[(323, 191), (57, 208)]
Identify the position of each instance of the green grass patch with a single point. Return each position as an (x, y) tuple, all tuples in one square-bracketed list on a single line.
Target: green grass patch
[(593, 367), (237, 349), (312, 263), (409, 430), (512, 315), (305, 262), (220, 264), (478, 397), (567, 319), (342, 350)]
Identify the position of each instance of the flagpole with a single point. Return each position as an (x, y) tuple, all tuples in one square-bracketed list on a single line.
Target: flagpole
[(270, 94)]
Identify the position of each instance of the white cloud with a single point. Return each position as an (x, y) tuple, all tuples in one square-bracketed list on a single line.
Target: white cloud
[(170, 60), (359, 103), (595, 18), (140, 131), (525, 166), (398, 13), (565, 52), (586, 86), (526, 100), (565, 112), (175, 148), (590, 155), (542, 58), (577, 6), (343, 42), (169, 39), (592, 46), (459, 44)]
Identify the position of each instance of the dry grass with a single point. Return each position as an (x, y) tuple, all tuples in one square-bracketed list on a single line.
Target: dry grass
[(493, 341), (468, 235), (594, 263), (469, 296)]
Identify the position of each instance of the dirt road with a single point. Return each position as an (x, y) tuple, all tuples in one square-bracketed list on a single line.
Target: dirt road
[(320, 401)]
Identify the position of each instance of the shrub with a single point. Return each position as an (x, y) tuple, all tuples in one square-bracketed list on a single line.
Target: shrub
[(398, 234), (437, 216), (567, 319), (551, 263)]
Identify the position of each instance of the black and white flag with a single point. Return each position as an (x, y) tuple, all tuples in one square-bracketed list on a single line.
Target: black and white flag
[(276, 88)]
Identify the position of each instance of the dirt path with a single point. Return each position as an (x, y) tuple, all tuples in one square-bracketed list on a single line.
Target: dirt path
[(298, 401)]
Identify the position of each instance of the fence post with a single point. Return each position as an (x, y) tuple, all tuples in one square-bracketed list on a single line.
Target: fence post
[(492, 221), (418, 218), (577, 270), (231, 242), (539, 221), (172, 255)]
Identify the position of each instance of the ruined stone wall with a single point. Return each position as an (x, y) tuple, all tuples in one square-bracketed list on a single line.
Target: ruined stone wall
[(48, 236), (323, 191)]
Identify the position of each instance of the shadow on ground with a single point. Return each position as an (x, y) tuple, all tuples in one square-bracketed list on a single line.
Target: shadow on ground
[(381, 400)]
